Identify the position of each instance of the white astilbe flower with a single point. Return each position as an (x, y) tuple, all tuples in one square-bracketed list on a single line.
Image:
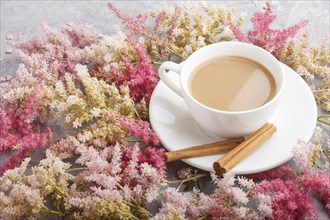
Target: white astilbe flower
[(245, 182), (71, 100), (13, 176), (264, 204), (85, 136), (302, 153)]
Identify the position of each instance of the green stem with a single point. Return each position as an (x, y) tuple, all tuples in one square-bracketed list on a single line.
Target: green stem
[(133, 216), (119, 186), (176, 53), (203, 217), (138, 207), (315, 164), (198, 176), (320, 90), (135, 141), (322, 121), (77, 168), (54, 185), (326, 154), (49, 211), (156, 62), (250, 190), (136, 112)]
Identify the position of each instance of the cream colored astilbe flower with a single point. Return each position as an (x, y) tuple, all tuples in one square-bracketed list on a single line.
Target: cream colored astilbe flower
[(80, 98), (180, 30), (310, 61)]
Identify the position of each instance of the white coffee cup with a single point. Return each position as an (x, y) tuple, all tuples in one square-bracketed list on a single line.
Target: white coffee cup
[(217, 123)]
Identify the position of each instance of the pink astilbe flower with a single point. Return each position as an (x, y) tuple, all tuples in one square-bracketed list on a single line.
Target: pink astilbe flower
[(157, 38), (141, 77), (229, 198), (225, 206), (13, 161), (138, 128), (286, 185), (130, 22), (81, 36), (36, 44), (319, 183), (59, 52), (263, 36), (288, 200), (183, 205), (119, 166), (21, 129), (154, 157), (282, 172)]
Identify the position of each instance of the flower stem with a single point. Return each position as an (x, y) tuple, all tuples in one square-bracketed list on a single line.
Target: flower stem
[(138, 206), (326, 154), (55, 186), (197, 176), (49, 211), (319, 119), (176, 53), (203, 217), (135, 141), (157, 62), (250, 190), (319, 90)]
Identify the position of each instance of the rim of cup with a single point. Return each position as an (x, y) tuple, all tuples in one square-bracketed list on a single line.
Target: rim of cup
[(269, 56)]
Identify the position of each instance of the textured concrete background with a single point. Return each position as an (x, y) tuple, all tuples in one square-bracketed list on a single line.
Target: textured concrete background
[(22, 19)]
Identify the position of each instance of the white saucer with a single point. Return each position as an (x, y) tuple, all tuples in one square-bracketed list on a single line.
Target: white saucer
[(295, 119)]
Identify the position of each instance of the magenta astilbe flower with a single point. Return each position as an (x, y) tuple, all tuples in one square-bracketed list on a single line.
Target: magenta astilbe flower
[(224, 206), (131, 24), (263, 36), (81, 36), (154, 157), (238, 33), (289, 201), (21, 128), (14, 161), (141, 78), (138, 128), (282, 172), (319, 183)]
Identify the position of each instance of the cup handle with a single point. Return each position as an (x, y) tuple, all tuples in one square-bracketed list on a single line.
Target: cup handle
[(168, 65)]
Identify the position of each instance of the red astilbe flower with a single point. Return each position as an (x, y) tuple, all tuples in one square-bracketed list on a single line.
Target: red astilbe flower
[(263, 35)]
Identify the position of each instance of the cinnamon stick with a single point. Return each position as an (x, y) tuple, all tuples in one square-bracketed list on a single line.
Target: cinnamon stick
[(202, 150), (237, 154)]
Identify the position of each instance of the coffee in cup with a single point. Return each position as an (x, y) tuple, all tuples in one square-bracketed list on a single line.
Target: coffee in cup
[(232, 83)]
